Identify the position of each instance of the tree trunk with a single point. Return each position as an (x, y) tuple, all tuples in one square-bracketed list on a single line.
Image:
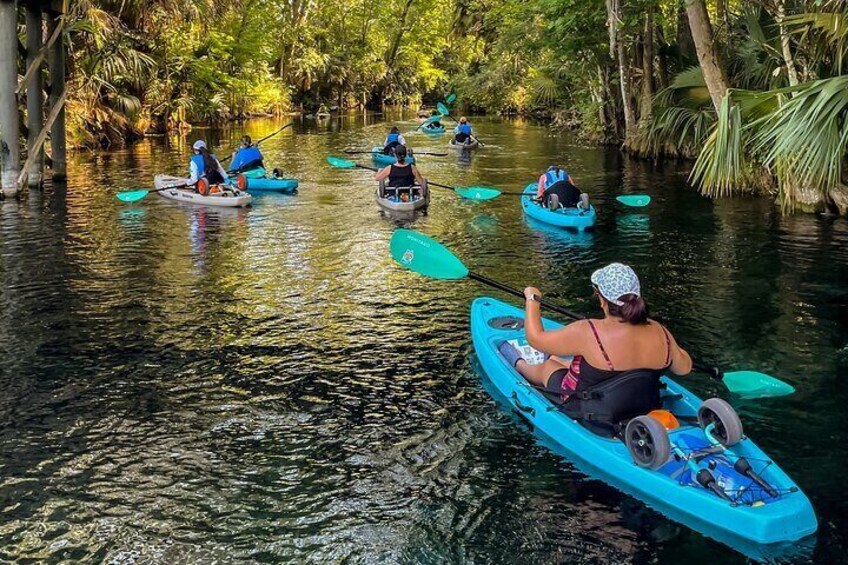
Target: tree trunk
[(662, 58), (684, 35), (627, 103), (392, 54), (791, 71), (702, 34), (647, 67)]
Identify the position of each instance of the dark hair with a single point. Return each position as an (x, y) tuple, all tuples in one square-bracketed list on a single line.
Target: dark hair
[(394, 130), (209, 164), (246, 139), (633, 311), (400, 153)]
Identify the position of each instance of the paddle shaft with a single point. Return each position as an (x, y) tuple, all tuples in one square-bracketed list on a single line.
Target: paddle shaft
[(429, 182), (714, 372), (348, 152), (269, 136)]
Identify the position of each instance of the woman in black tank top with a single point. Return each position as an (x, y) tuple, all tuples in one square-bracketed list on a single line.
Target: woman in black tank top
[(594, 351), (401, 174)]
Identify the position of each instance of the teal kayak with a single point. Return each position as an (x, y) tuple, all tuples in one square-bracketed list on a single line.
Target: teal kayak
[(573, 218), (383, 159), (257, 180), (736, 509), (433, 130)]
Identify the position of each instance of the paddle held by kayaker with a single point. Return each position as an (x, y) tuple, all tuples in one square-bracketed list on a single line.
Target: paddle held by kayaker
[(205, 166), (247, 157), (588, 352), (557, 189)]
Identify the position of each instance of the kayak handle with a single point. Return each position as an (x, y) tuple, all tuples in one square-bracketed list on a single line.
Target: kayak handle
[(523, 407)]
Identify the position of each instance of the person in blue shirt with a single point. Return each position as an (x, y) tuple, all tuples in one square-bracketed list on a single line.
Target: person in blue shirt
[(205, 166), (393, 140), (556, 189), (462, 131), (247, 157)]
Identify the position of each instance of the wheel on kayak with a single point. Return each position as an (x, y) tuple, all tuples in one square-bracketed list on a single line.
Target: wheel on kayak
[(241, 181), (727, 427), (647, 441)]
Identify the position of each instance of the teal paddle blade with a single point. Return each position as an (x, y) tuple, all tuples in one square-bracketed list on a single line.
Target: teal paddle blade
[(341, 163), (132, 195), (430, 120), (478, 192), (425, 256), (751, 384), (443, 109), (451, 97), (635, 200)]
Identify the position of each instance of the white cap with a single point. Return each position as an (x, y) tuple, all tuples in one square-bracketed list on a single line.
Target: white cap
[(616, 280), (199, 144)]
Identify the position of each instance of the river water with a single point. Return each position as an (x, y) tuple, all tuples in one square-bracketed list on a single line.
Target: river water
[(184, 384)]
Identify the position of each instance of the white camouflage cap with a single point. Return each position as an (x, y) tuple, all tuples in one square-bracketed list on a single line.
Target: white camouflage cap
[(615, 280)]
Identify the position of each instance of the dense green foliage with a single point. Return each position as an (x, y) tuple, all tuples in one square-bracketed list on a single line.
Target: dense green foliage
[(755, 91)]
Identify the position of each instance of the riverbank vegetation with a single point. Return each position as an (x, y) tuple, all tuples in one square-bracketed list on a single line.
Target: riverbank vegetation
[(754, 91)]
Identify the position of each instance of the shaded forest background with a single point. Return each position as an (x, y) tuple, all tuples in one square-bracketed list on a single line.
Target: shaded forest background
[(756, 92)]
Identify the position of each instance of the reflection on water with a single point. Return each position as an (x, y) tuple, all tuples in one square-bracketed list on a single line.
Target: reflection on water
[(186, 384)]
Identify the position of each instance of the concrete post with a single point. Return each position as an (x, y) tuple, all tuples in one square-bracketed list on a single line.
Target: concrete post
[(34, 97), (10, 154), (56, 68)]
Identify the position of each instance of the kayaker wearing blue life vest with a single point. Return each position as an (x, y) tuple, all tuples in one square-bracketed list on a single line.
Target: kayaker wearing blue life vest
[(393, 140), (621, 344), (402, 173), (557, 189), (247, 157), (462, 131), (204, 165)]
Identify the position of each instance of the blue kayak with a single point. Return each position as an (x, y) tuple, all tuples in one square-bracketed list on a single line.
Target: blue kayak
[(257, 180), (383, 159), (573, 218), (748, 514)]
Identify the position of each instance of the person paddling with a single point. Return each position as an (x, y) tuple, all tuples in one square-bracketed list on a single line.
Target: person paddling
[(393, 140), (462, 131), (620, 344), (437, 124), (204, 166), (557, 189), (401, 174), (247, 157)]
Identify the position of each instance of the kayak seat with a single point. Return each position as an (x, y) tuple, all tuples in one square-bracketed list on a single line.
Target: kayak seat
[(413, 191), (607, 407)]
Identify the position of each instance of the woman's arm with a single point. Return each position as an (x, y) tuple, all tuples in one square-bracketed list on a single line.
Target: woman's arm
[(564, 341), (193, 173), (383, 173), (222, 170), (418, 178), (681, 361)]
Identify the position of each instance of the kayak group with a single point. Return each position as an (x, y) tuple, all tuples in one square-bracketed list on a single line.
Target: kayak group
[(598, 387)]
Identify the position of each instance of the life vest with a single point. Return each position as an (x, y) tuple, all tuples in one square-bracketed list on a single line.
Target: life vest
[(393, 138), (555, 175), (247, 156), (465, 129), (197, 159), (202, 173)]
